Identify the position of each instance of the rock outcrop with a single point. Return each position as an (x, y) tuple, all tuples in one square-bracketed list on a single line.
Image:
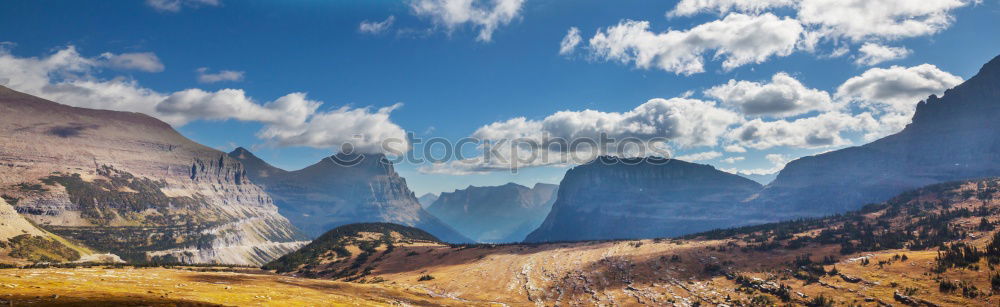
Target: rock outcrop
[(496, 214), (618, 198), (344, 189), (953, 137), (129, 184)]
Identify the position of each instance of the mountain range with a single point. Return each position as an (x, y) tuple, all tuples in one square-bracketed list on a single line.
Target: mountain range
[(495, 214), (953, 137), (129, 184), (333, 192)]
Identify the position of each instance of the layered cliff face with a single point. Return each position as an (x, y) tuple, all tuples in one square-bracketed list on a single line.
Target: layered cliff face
[(497, 214), (335, 192), (614, 198), (953, 137), (129, 184)]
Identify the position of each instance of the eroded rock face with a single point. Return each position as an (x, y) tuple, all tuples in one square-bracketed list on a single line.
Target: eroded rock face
[(612, 198), (336, 191), (496, 214), (129, 184), (953, 137)]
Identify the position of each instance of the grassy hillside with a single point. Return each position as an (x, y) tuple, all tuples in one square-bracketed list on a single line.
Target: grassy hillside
[(346, 251)]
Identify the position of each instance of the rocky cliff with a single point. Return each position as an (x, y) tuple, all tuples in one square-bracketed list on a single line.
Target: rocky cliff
[(615, 198), (497, 214), (427, 199), (129, 184), (337, 191), (953, 137)]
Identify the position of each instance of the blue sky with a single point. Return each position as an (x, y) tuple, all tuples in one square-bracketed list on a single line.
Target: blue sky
[(450, 81)]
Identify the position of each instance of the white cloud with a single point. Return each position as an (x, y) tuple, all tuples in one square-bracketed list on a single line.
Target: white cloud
[(367, 131), (372, 27), (486, 16), (292, 120), (872, 54), (693, 7), (783, 96), (642, 131), (174, 6), (734, 148), (860, 20), (857, 20), (143, 61), (225, 75), (738, 39), (897, 88), (570, 41), (732, 160), (700, 156), (823, 130)]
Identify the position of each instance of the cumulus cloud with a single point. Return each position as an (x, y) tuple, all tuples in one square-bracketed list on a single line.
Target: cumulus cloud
[(822, 130), (366, 130), (67, 77), (569, 137), (143, 61), (783, 96), (487, 16), (738, 39), (857, 20), (882, 19), (734, 148), (872, 54), (570, 41), (372, 27), (700, 156), (174, 6), (225, 75), (693, 7), (732, 160), (897, 88)]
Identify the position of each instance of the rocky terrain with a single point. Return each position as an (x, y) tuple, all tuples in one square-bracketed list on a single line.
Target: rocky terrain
[(953, 137), (496, 214), (332, 193), (128, 184), (613, 198), (935, 246)]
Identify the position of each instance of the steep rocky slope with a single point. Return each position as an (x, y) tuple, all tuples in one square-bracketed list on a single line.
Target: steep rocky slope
[(884, 254), (128, 184), (329, 193), (496, 214), (953, 137), (613, 198)]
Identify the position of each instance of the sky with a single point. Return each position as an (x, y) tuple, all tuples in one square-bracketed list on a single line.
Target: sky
[(745, 86)]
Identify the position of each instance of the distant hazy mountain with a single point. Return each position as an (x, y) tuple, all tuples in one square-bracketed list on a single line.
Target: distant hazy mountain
[(129, 184), (953, 137), (427, 199), (613, 198), (504, 213), (328, 194)]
